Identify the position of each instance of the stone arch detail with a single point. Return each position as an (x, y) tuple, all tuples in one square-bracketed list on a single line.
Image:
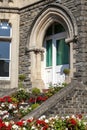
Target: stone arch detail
[(51, 14)]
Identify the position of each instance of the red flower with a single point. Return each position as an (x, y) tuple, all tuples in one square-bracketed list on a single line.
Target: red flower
[(2, 100), (79, 116), (2, 124), (20, 123), (41, 122), (73, 121), (6, 99), (29, 120), (45, 127), (32, 100), (40, 98), (8, 127)]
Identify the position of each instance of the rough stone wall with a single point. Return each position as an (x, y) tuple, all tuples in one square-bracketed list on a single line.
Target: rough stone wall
[(79, 10), (75, 102), (27, 18)]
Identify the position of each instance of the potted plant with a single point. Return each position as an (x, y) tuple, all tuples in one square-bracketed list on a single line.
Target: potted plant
[(66, 71)]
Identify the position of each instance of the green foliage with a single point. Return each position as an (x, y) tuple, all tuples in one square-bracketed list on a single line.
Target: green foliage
[(66, 71), (21, 95), (81, 125), (35, 91), (33, 106), (22, 77), (53, 89), (20, 85), (14, 99), (60, 125), (64, 84), (24, 112)]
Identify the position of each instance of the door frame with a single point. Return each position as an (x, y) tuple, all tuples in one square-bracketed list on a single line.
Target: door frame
[(54, 38)]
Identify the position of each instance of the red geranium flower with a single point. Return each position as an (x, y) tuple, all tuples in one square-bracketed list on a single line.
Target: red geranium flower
[(20, 123), (73, 121)]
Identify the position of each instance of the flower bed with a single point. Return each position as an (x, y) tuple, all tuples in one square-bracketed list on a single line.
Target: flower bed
[(53, 123), (20, 103), (10, 108)]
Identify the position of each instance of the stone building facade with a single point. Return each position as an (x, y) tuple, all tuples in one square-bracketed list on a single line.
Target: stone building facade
[(29, 22)]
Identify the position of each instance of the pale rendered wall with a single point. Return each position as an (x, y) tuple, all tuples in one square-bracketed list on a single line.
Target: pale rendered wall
[(17, 3), (13, 81)]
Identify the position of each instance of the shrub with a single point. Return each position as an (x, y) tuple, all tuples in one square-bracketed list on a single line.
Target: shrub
[(35, 91), (33, 106), (66, 71), (22, 77), (21, 95)]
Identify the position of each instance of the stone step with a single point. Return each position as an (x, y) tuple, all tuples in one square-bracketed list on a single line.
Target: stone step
[(6, 92)]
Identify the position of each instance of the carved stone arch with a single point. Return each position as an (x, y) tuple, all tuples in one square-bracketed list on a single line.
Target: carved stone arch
[(51, 14)]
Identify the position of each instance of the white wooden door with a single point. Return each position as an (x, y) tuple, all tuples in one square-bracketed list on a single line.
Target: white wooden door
[(56, 58)]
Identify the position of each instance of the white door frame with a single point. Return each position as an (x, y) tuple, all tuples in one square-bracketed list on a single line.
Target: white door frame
[(45, 77)]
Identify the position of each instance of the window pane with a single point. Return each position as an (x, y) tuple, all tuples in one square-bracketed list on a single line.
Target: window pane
[(62, 52), (5, 29), (49, 53), (58, 28), (4, 68), (4, 49), (49, 31)]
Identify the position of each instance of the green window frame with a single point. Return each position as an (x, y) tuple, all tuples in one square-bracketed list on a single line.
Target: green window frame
[(62, 52), (49, 53)]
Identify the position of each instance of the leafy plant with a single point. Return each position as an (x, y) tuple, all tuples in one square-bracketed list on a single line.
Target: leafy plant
[(33, 106), (60, 124), (66, 71), (21, 95), (22, 77), (35, 91), (14, 100)]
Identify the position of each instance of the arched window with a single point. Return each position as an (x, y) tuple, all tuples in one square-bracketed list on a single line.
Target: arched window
[(62, 49), (5, 43)]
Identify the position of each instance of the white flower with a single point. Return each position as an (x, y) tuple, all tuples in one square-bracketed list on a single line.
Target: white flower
[(25, 123), (15, 127), (67, 117), (51, 118), (29, 108), (47, 121), (21, 107), (42, 117), (73, 116), (62, 118), (33, 127), (16, 111), (56, 117), (1, 112), (31, 118), (5, 116), (85, 123), (10, 106), (6, 123), (2, 105)]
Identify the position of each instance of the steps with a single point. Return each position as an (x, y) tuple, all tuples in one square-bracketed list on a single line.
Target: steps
[(69, 100), (6, 92)]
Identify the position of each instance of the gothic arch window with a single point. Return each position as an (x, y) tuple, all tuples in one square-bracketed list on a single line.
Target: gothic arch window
[(5, 49), (67, 30)]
